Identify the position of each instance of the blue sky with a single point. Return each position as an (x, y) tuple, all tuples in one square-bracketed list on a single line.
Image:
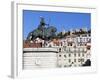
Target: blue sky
[(61, 20)]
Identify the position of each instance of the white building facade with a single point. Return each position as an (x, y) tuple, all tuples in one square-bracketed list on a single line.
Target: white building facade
[(73, 51)]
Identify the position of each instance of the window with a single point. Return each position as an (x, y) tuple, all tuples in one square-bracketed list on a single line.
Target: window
[(75, 54), (64, 48), (65, 56), (82, 60), (79, 54), (59, 49), (74, 60), (69, 60), (59, 55), (88, 47), (69, 55), (83, 54), (79, 60), (70, 44)]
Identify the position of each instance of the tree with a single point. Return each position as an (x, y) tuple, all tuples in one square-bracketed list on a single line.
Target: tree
[(51, 31), (87, 63), (68, 32), (60, 35)]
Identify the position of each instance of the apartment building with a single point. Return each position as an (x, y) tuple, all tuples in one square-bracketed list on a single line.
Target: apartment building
[(70, 51)]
